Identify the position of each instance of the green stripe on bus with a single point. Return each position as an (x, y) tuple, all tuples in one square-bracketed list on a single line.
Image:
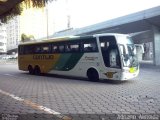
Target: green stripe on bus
[(73, 60), (62, 60)]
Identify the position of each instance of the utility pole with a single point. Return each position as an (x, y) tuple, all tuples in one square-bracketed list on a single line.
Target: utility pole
[(68, 22), (68, 16), (47, 18)]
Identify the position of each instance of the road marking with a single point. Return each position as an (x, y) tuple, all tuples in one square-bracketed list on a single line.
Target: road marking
[(9, 75), (15, 76), (36, 106)]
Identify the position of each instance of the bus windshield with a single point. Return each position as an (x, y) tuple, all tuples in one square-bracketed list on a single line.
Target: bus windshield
[(128, 51)]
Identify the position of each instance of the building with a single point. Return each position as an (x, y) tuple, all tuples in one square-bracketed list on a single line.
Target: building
[(13, 34), (3, 39)]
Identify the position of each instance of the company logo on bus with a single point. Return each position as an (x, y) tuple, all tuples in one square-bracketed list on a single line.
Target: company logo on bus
[(43, 57)]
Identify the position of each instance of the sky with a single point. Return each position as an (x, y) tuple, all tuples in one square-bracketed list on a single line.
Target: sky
[(87, 12)]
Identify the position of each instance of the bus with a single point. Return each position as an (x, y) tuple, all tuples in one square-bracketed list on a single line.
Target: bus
[(108, 56)]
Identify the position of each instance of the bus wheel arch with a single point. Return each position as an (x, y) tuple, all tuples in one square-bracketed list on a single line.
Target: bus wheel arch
[(93, 74), (37, 70), (30, 69)]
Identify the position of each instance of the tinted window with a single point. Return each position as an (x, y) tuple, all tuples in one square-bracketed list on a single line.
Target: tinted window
[(54, 48), (45, 49), (89, 45), (72, 46), (21, 50), (37, 49), (61, 48), (28, 49)]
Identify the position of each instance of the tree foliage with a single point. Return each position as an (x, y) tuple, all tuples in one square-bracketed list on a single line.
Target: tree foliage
[(36, 3), (18, 8), (25, 38)]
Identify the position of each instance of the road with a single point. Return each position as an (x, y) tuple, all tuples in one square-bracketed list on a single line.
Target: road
[(24, 96)]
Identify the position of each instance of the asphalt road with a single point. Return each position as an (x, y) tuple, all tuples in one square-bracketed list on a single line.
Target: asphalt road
[(24, 96)]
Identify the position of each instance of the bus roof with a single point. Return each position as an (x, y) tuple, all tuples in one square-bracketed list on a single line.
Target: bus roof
[(58, 39), (66, 38), (109, 34)]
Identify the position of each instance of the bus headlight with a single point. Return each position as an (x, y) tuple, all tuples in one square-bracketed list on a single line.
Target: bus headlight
[(132, 70)]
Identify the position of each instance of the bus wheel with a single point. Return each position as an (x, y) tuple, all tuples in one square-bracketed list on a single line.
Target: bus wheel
[(37, 70), (30, 69), (93, 75)]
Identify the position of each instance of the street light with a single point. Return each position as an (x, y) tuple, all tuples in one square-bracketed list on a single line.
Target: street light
[(47, 18)]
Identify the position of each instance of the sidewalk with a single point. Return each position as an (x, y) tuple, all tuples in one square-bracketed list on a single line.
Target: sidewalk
[(9, 61)]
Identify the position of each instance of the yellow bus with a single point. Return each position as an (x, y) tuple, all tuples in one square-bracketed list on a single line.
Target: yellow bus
[(101, 56)]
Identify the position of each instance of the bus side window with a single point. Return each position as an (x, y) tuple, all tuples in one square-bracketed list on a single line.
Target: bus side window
[(67, 48), (89, 47), (54, 48), (21, 50), (74, 47), (61, 48), (45, 49), (28, 49), (37, 49)]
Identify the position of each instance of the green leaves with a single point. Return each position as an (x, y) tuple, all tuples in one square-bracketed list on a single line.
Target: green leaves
[(18, 8)]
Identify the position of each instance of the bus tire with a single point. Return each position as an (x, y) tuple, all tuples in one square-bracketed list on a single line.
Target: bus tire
[(93, 75), (30, 69), (37, 70)]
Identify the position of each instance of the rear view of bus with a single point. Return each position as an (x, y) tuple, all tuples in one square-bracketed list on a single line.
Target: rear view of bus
[(119, 56)]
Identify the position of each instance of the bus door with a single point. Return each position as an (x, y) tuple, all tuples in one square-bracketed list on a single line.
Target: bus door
[(110, 52)]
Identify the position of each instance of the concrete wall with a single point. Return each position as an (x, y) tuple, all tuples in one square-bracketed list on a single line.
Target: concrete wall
[(146, 39), (156, 45)]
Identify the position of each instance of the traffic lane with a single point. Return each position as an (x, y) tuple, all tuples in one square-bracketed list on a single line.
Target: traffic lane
[(84, 97)]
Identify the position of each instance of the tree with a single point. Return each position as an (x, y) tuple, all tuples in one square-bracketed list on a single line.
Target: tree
[(15, 8), (25, 38)]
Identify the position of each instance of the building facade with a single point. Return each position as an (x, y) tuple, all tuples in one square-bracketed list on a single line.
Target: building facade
[(13, 34), (3, 39)]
